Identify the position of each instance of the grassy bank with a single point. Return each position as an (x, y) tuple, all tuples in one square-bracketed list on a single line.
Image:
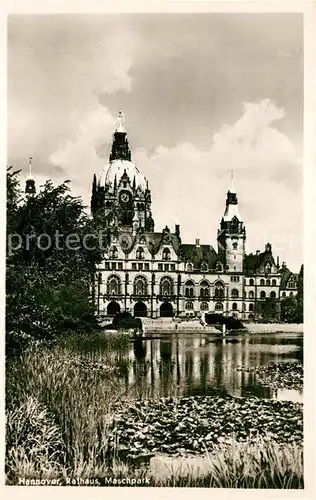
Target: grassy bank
[(69, 389), (70, 415)]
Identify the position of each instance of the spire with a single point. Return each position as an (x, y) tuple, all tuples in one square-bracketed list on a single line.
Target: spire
[(30, 188), (93, 204), (30, 176), (120, 148), (231, 209), (120, 123), (232, 188)]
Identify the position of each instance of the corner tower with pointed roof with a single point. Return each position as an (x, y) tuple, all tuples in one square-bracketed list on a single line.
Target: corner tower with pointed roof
[(231, 235)]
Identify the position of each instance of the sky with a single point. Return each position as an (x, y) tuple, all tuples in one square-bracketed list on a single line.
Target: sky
[(203, 95)]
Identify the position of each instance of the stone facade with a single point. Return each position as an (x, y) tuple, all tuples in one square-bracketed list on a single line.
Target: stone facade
[(155, 274)]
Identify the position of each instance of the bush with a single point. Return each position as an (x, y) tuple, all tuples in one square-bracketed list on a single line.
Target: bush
[(218, 319), (126, 321)]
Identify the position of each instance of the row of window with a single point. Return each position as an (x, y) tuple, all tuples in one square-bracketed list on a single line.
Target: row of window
[(140, 286), (263, 282), (138, 266), (167, 288), (291, 284), (140, 253), (189, 306)]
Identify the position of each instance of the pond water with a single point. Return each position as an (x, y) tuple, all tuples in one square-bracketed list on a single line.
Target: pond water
[(162, 365)]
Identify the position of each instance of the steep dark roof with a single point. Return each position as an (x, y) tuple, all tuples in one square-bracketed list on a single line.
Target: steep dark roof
[(285, 275), (199, 254), (253, 262), (155, 240)]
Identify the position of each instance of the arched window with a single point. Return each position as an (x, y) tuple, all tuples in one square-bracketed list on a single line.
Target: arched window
[(166, 286), (189, 305), (291, 294), (140, 285), (251, 294), (235, 293), (273, 282), (189, 267), (166, 254), (204, 306), (284, 294), (113, 285), (139, 253), (251, 282), (113, 253), (268, 283), (262, 282), (204, 289), (262, 295), (234, 306), (219, 306), (189, 289), (250, 307), (272, 295), (219, 290), (234, 225), (235, 245)]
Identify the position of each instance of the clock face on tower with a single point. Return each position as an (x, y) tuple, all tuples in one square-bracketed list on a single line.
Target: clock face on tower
[(125, 197)]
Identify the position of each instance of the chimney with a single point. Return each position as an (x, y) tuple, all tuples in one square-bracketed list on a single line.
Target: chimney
[(197, 242), (257, 252), (278, 261), (283, 265), (177, 230)]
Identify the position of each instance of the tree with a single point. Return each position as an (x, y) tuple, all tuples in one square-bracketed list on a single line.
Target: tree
[(49, 273)]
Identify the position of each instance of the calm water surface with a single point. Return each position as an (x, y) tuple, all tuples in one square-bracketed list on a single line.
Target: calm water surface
[(198, 364)]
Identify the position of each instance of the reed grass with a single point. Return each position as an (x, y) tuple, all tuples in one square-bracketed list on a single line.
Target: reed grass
[(60, 405)]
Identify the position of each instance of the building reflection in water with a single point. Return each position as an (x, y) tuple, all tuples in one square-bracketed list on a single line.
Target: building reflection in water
[(196, 364)]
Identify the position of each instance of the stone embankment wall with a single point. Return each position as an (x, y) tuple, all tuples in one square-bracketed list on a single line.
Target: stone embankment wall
[(172, 326), (275, 327)]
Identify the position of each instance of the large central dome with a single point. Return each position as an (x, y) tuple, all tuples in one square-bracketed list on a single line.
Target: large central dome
[(116, 169), (120, 159)]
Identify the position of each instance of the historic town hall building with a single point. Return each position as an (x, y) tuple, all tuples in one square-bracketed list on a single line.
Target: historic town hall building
[(155, 274)]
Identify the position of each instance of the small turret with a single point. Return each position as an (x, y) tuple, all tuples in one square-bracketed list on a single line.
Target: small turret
[(30, 188)]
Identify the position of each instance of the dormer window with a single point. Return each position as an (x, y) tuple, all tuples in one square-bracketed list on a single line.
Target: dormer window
[(268, 269), (204, 267), (140, 253), (113, 253), (189, 267), (166, 254)]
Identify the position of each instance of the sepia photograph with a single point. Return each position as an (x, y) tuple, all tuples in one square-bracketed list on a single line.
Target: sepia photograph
[(154, 250)]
